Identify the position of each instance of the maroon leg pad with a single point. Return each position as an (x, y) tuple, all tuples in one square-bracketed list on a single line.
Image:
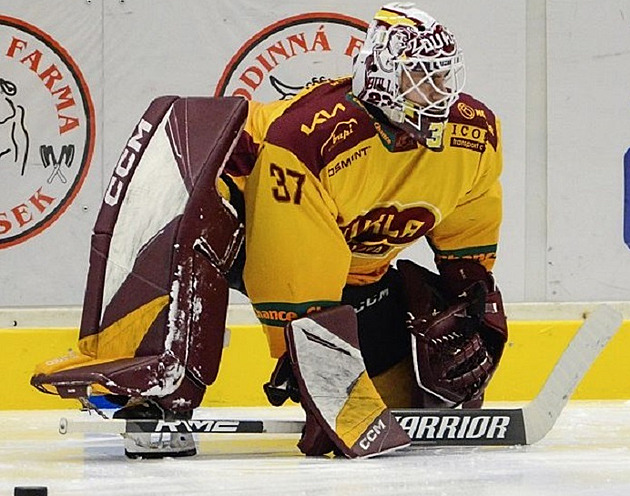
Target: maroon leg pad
[(339, 399), (173, 300)]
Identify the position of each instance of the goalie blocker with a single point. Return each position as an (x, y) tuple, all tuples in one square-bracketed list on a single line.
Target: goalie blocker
[(156, 298), (343, 408)]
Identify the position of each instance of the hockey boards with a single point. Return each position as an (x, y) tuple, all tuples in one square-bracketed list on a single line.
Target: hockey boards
[(440, 427)]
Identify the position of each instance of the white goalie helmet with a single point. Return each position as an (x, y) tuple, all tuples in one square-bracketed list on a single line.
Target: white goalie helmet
[(411, 68)]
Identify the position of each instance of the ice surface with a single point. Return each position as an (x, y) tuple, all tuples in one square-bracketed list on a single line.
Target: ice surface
[(586, 453)]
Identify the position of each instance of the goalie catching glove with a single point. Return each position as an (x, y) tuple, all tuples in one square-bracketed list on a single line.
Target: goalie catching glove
[(458, 329)]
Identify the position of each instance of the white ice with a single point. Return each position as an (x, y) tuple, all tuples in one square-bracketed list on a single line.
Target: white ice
[(586, 453)]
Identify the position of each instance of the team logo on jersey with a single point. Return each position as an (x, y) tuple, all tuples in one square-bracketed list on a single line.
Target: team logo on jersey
[(285, 57), (466, 111), (321, 117), (341, 131), (387, 227), (46, 130)]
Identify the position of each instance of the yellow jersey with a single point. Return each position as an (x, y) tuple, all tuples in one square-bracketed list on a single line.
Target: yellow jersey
[(333, 194)]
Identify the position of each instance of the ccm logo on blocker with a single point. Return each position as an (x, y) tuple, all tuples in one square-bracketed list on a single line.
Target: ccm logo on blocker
[(372, 434)]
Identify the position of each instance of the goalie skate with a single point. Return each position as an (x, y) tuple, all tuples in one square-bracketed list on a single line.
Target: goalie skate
[(159, 444), (143, 443)]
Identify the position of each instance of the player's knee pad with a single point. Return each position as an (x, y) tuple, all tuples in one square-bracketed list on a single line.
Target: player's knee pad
[(156, 296), (343, 408)]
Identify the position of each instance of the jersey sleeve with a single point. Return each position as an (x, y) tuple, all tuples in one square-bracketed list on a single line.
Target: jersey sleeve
[(471, 231), (297, 259), (242, 159)]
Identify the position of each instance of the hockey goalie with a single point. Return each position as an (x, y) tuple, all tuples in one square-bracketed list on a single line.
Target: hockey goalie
[(304, 205)]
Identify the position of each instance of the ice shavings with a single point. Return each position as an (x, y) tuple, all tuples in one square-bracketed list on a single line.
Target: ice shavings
[(168, 381), (175, 314)]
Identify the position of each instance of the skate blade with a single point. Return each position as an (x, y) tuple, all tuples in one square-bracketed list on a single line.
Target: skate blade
[(159, 445)]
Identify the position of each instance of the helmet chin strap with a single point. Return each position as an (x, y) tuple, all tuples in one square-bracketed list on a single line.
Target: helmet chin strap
[(428, 132)]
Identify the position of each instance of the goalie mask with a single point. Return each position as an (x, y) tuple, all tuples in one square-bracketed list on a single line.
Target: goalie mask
[(412, 69)]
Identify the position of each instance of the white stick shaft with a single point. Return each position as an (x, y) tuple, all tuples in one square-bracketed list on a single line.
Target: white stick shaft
[(591, 338)]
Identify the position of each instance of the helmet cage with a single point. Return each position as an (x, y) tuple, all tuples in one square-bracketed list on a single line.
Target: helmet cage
[(431, 86)]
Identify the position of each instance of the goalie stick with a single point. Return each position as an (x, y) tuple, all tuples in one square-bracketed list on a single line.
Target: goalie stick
[(439, 427)]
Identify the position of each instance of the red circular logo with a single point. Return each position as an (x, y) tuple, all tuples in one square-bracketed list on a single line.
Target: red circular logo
[(281, 59), (47, 131)]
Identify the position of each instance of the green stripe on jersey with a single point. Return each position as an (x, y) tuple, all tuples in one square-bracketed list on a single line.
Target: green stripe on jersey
[(278, 314), (467, 252)]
